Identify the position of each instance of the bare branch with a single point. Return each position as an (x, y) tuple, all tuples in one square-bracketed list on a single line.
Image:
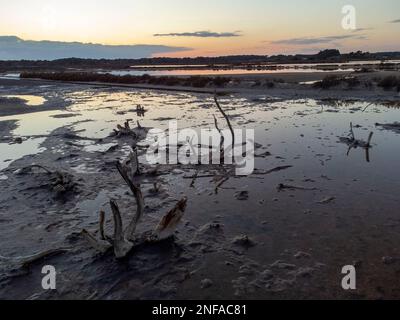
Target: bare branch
[(134, 161), (101, 225), (121, 245), (130, 230), (370, 139)]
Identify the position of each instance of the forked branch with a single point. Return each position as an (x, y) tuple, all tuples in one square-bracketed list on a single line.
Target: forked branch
[(124, 240)]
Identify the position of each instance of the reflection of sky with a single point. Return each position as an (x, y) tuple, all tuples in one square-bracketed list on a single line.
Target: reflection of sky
[(16, 151), (282, 129), (259, 22), (28, 100)]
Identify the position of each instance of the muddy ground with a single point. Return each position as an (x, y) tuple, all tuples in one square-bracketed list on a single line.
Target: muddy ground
[(279, 235)]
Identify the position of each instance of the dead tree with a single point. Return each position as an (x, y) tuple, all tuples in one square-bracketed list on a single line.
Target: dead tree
[(124, 240)]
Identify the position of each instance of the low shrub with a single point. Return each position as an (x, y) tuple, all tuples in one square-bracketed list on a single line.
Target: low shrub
[(193, 81), (328, 82), (389, 83)]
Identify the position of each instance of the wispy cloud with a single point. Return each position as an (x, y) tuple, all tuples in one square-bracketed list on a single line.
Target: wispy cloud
[(14, 48), (362, 29), (200, 34), (318, 40), (395, 21)]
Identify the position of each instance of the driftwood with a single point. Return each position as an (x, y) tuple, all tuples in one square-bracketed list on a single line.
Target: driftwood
[(124, 240), (170, 221), (280, 168), (282, 187), (99, 244), (221, 144), (354, 143), (220, 183), (327, 200), (137, 192), (60, 182), (257, 172), (101, 225), (132, 162), (125, 130), (122, 246)]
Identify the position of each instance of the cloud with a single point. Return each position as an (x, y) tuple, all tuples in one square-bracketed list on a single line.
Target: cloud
[(201, 34), (395, 21), (318, 40), (363, 29), (14, 48)]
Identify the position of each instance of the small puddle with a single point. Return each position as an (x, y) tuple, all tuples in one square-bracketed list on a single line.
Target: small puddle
[(10, 153), (28, 99)]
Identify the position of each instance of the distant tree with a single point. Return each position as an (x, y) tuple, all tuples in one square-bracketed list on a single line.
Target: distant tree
[(328, 53)]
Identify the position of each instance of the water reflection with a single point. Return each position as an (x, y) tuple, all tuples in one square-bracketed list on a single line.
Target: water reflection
[(304, 132), (13, 152), (29, 100)]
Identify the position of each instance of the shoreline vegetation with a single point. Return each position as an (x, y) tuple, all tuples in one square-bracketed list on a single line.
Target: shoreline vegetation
[(247, 62), (390, 82), (192, 81)]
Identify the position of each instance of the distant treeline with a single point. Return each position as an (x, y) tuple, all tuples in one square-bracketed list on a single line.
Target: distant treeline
[(193, 81), (330, 56)]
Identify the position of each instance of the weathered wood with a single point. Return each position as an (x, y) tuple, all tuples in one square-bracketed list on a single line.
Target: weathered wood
[(282, 187), (130, 230), (98, 244), (170, 221), (276, 169), (121, 245), (101, 225)]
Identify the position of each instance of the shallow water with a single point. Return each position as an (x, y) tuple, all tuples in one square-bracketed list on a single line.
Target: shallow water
[(13, 152), (303, 133), (360, 223), (28, 99), (221, 72)]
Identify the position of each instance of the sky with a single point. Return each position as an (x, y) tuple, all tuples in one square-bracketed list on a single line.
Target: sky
[(206, 27)]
